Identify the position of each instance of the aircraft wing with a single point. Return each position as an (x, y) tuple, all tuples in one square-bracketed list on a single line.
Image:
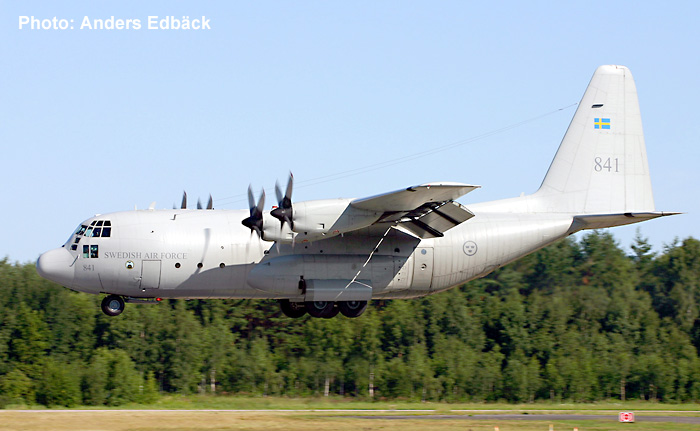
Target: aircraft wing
[(426, 211)]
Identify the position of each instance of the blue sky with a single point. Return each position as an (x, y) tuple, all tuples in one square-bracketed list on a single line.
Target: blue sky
[(339, 93)]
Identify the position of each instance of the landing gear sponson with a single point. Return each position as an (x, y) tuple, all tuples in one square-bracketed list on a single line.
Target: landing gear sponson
[(113, 305), (323, 309)]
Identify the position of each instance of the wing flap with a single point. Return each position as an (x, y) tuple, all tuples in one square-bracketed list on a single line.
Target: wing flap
[(437, 221)]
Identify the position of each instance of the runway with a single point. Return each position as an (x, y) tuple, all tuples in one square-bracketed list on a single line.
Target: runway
[(505, 415), (539, 417)]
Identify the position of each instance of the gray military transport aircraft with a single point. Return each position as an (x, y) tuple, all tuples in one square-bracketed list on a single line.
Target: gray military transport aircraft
[(331, 256)]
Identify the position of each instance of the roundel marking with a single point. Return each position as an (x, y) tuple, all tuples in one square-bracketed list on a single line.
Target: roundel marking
[(129, 264), (470, 248)]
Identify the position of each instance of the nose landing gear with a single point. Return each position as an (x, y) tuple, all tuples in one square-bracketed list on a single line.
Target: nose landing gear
[(113, 305)]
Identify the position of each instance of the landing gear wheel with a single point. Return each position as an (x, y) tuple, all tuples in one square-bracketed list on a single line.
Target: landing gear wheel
[(352, 308), (292, 309), (113, 305), (334, 312), (320, 308)]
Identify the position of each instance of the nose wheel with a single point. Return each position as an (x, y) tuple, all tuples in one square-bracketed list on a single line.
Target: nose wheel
[(113, 305)]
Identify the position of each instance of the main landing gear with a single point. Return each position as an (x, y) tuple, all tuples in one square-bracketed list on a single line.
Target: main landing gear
[(113, 305), (323, 309)]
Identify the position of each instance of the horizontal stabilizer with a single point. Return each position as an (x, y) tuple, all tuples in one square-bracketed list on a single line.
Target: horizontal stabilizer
[(599, 221)]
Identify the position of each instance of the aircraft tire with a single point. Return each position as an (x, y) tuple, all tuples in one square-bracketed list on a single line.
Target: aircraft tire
[(320, 308), (292, 309), (334, 312), (113, 305), (352, 308)]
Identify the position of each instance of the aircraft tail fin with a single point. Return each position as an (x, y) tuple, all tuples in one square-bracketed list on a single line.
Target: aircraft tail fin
[(601, 166)]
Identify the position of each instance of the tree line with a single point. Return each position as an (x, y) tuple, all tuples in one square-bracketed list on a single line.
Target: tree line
[(577, 321)]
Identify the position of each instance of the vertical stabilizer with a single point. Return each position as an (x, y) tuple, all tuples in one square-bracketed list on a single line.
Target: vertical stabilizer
[(601, 165)]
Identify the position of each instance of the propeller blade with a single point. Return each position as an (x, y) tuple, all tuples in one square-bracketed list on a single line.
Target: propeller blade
[(210, 204), (278, 192), (251, 199), (261, 203), (184, 200), (199, 204), (290, 184)]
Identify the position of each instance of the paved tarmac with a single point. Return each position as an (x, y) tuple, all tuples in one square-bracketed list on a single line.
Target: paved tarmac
[(541, 417), (417, 414)]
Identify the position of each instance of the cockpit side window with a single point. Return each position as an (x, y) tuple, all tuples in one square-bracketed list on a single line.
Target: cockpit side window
[(91, 251)]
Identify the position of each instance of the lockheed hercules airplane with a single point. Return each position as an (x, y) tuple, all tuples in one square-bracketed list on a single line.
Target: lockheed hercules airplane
[(328, 256)]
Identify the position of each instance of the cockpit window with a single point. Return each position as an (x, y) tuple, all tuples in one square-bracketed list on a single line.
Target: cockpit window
[(97, 229)]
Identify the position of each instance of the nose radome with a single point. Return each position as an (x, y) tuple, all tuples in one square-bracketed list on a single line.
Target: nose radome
[(55, 265)]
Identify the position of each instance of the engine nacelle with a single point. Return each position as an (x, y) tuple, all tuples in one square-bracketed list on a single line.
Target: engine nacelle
[(314, 220)]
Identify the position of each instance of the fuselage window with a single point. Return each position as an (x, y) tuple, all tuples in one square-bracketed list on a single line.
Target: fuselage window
[(93, 252), (86, 251)]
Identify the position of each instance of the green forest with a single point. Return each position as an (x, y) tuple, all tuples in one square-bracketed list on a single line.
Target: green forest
[(578, 321)]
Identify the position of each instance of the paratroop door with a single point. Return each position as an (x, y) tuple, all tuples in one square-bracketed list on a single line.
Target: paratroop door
[(422, 268), (150, 274)]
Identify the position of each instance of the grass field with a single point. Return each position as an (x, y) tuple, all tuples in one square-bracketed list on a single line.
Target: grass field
[(208, 413)]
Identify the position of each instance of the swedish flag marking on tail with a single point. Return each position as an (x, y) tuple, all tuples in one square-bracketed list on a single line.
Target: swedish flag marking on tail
[(601, 123)]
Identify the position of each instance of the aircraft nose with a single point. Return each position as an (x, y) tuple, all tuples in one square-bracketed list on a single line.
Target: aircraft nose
[(55, 265)]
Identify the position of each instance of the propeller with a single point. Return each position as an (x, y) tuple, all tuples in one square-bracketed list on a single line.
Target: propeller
[(284, 211), (184, 201), (255, 221)]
